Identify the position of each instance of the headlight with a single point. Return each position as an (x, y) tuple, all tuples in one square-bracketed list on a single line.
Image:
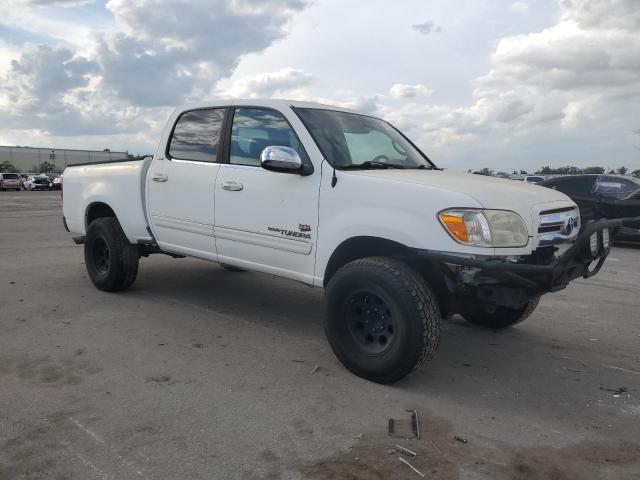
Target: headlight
[(485, 228)]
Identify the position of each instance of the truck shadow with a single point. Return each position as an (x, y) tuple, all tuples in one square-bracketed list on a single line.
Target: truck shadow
[(525, 364)]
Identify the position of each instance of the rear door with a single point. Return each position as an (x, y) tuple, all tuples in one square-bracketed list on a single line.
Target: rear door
[(265, 220), (180, 184)]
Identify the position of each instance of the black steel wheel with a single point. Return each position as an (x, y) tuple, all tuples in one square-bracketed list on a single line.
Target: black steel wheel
[(111, 261), (101, 255), (370, 322), (381, 318)]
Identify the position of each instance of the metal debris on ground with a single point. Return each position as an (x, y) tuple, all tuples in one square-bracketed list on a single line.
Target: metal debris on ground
[(315, 369), (405, 451), (405, 428), (411, 466), (616, 392), (460, 439)]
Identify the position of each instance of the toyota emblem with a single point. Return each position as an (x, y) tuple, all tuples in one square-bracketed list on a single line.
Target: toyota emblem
[(568, 226)]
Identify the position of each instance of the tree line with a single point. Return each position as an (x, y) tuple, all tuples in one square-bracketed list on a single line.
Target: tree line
[(568, 170), (44, 167)]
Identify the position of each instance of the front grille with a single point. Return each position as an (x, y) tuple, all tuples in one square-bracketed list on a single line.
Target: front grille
[(560, 225)]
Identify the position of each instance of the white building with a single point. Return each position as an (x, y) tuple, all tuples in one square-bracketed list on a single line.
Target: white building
[(25, 159)]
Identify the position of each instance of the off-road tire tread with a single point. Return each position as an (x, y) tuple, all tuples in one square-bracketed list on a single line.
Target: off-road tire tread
[(425, 304), (126, 254)]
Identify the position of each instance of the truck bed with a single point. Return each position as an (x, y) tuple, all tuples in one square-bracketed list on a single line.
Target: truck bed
[(119, 184)]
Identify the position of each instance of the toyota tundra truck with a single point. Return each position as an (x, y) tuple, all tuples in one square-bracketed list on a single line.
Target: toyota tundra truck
[(338, 200)]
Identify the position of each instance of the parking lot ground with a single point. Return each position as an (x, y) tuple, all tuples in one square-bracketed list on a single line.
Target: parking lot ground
[(200, 373)]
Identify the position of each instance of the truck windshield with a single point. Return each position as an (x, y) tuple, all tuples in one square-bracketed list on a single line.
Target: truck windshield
[(353, 141)]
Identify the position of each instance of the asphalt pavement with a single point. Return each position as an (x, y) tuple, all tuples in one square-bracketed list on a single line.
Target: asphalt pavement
[(201, 373)]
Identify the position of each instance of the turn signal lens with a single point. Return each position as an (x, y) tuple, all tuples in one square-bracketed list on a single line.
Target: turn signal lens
[(467, 226), (456, 226)]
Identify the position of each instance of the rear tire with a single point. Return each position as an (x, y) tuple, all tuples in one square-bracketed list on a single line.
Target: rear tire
[(111, 261), (503, 317), (382, 319)]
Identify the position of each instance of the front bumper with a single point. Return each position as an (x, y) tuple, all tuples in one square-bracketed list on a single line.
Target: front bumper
[(512, 282)]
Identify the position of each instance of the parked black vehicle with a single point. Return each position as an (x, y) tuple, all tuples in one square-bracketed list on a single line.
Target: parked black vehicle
[(603, 196)]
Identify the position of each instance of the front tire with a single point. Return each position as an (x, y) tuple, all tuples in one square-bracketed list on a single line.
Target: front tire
[(502, 317), (111, 261), (382, 320)]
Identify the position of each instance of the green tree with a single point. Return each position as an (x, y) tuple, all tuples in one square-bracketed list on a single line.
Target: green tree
[(46, 167), (8, 167), (598, 170), (622, 170), (636, 173), (484, 171)]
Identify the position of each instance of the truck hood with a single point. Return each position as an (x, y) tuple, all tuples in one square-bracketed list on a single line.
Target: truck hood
[(496, 193)]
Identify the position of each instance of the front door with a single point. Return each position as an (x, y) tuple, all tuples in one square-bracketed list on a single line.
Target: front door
[(265, 220), (181, 186)]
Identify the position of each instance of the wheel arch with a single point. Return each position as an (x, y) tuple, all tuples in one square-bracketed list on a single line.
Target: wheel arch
[(363, 246), (358, 247), (97, 210)]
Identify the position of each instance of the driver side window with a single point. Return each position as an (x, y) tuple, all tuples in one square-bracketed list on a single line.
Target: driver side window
[(256, 128)]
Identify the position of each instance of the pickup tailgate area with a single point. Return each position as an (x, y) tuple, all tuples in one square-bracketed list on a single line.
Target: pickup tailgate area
[(119, 185)]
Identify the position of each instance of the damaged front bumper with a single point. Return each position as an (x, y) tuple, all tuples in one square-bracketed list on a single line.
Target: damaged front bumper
[(511, 282)]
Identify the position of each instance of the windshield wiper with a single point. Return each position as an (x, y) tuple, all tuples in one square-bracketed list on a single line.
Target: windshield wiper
[(371, 164)]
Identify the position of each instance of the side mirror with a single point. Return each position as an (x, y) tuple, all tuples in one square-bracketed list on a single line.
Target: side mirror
[(281, 159)]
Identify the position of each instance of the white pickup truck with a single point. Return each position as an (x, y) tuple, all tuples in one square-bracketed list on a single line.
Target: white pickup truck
[(340, 200)]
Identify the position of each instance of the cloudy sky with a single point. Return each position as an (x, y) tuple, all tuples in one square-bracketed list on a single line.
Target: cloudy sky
[(503, 84)]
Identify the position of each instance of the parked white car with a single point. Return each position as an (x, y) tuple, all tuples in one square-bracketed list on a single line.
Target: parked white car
[(39, 182), (535, 179), (341, 200)]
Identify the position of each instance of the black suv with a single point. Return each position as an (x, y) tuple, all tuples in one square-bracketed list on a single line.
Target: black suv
[(603, 196)]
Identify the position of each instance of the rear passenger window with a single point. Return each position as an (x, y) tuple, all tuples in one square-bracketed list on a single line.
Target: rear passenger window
[(615, 187), (256, 128), (196, 135)]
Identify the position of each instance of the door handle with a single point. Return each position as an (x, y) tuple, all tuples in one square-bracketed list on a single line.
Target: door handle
[(159, 177), (232, 186)]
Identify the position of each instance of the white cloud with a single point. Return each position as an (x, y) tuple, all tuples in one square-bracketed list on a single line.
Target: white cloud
[(402, 90), (582, 73), (158, 54), (279, 83)]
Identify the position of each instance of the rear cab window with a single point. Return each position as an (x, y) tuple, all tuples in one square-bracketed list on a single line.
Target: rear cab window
[(196, 135)]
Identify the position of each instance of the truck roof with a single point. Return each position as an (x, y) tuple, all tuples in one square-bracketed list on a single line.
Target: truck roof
[(264, 102)]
